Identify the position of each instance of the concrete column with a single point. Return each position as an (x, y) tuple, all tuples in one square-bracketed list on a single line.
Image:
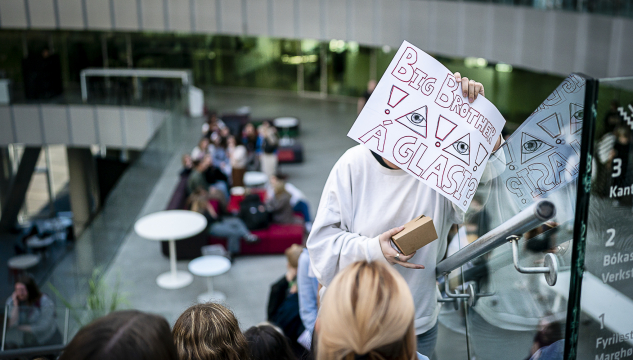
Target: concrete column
[(18, 187), (83, 186)]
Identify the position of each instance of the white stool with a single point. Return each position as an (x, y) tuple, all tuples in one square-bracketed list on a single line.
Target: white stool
[(210, 266)]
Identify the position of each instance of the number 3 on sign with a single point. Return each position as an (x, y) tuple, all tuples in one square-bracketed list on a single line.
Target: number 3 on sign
[(617, 168), (610, 242)]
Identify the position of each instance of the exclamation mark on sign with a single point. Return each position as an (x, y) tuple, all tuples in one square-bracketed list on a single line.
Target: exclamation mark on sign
[(395, 97), (481, 156)]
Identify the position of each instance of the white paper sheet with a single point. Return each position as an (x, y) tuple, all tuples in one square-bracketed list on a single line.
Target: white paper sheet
[(418, 119)]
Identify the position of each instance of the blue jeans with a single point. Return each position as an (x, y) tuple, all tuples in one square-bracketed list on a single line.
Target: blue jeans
[(427, 341), (221, 185), (233, 229), (302, 207)]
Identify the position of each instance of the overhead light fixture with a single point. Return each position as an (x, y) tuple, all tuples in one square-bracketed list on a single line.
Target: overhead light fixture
[(473, 62), (503, 67)]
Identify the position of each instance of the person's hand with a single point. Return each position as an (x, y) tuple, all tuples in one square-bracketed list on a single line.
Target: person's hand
[(390, 253), (471, 88)]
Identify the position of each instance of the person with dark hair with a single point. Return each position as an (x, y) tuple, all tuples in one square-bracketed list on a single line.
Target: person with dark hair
[(33, 313), (122, 335), (267, 343), (209, 332)]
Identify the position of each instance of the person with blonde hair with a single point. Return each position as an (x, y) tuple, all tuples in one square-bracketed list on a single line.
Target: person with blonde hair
[(367, 312), (209, 332)]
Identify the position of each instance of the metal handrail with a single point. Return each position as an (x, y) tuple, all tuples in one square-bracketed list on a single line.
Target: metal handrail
[(184, 75), (527, 219)]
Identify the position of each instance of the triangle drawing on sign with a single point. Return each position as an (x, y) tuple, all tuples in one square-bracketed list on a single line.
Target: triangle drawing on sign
[(576, 115), (531, 147), (415, 120), (481, 155), (444, 128), (551, 125), (460, 149)]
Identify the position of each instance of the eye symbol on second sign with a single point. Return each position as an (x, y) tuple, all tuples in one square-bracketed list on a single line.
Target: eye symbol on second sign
[(578, 115), (462, 148), (531, 146), (416, 119)]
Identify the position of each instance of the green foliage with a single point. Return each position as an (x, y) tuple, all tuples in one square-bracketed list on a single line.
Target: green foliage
[(100, 301)]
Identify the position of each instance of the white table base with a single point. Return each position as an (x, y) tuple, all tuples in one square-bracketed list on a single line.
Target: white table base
[(174, 279), (211, 295), (169, 280)]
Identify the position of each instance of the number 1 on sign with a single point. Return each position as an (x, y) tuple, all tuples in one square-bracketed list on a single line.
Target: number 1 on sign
[(610, 242), (601, 321)]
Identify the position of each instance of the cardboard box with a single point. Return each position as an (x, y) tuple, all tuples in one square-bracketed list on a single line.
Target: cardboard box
[(416, 234)]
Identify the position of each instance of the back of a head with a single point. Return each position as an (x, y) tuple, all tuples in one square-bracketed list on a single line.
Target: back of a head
[(208, 332), (267, 343), (292, 255), (367, 310), (128, 334)]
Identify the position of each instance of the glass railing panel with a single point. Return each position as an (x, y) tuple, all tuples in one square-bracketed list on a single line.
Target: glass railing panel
[(516, 314), (606, 328)]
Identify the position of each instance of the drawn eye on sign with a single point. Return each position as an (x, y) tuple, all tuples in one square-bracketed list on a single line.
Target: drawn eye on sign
[(431, 130)]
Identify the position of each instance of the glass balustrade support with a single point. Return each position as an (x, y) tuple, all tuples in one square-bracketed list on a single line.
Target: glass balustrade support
[(550, 270), (4, 326), (448, 292), (527, 219)]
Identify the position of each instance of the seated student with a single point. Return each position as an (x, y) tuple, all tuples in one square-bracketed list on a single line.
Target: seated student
[(123, 335), (214, 176), (205, 176), (187, 165), (283, 302), (367, 312), (220, 155), (201, 149), (232, 228), (298, 200), (209, 332), (238, 158), (278, 204), (33, 314), (267, 343)]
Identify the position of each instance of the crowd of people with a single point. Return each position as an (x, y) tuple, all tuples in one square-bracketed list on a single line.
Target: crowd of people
[(366, 314), (219, 162)]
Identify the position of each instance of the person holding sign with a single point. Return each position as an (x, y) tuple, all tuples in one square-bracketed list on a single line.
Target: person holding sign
[(367, 198)]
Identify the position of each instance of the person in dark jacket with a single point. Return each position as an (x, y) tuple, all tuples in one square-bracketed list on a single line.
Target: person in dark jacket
[(283, 303)]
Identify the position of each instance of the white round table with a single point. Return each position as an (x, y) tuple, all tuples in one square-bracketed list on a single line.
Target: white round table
[(255, 179), (286, 122), (23, 262), (210, 266), (171, 225)]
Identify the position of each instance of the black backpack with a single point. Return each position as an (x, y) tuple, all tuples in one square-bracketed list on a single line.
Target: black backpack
[(253, 212)]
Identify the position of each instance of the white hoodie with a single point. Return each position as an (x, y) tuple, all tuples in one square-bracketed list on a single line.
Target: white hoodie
[(361, 200)]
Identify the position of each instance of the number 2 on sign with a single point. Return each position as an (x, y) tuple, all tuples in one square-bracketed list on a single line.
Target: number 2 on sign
[(610, 242)]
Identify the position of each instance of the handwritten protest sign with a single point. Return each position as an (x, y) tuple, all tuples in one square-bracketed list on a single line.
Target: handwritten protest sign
[(542, 155), (418, 119)]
